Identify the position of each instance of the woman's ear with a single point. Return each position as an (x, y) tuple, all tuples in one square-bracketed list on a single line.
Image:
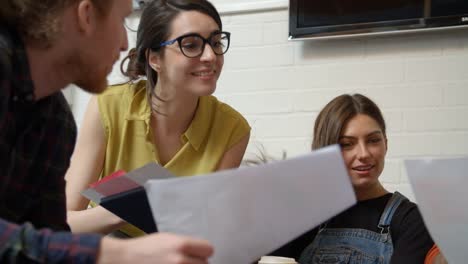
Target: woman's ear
[(154, 60)]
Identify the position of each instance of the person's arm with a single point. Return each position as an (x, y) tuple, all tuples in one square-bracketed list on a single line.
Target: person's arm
[(86, 165), (24, 244), (154, 248), (233, 157), (435, 256), (413, 241)]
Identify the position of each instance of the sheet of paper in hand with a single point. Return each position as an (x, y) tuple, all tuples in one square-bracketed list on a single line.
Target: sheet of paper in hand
[(249, 212), (439, 187), (123, 194)]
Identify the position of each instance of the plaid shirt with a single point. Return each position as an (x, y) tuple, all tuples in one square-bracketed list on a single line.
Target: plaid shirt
[(36, 142)]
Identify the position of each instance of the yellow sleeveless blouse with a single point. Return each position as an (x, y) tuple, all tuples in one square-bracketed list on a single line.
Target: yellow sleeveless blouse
[(125, 114)]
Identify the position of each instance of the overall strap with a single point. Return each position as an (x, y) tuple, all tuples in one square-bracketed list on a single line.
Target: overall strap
[(389, 211)]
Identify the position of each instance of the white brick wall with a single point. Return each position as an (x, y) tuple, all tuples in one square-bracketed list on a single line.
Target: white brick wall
[(419, 80)]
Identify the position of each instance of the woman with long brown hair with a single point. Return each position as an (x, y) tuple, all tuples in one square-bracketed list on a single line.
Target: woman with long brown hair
[(383, 227), (164, 114)]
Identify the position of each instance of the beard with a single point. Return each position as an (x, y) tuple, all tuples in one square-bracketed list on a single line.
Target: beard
[(89, 74), (93, 83)]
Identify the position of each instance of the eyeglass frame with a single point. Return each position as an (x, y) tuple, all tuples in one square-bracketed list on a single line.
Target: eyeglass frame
[(205, 41)]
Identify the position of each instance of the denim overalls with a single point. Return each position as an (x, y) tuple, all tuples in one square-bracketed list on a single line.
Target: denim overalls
[(349, 245)]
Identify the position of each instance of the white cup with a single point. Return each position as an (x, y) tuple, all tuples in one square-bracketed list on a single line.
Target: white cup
[(276, 260)]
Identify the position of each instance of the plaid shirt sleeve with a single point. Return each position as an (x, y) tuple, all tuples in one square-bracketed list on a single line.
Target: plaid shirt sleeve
[(24, 244), (39, 162)]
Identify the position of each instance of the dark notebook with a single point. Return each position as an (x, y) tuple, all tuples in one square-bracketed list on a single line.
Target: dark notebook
[(133, 207), (124, 195)]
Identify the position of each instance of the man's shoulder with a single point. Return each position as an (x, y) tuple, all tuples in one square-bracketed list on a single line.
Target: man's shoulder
[(6, 68), (6, 37), (56, 107), (5, 53)]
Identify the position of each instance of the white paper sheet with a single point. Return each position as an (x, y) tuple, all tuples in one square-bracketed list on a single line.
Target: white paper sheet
[(251, 211), (440, 188)]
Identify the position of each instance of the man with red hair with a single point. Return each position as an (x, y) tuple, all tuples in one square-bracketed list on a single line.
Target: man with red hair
[(44, 46)]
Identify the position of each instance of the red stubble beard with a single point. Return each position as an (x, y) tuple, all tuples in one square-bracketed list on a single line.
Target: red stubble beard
[(90, 78)]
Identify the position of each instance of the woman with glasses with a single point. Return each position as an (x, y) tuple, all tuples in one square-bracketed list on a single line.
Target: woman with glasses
[(164, 114)]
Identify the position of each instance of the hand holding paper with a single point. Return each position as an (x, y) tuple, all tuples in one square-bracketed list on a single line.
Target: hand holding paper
[(245, 213)]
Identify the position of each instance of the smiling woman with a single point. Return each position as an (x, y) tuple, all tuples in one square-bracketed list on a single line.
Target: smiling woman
[(382, 227), (364, 146), (357, 124), (166, 112)]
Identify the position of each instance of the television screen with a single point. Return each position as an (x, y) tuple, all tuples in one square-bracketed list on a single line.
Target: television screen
[(327, 18), (449, 7)]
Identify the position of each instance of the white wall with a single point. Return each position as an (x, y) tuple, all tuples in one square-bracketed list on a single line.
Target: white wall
[(419, 81), (229, 6)]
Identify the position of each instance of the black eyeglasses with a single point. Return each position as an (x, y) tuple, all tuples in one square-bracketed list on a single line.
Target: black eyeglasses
[(193, 45)]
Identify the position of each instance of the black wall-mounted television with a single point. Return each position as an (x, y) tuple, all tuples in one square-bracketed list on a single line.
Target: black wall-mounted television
[(341, 18)]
